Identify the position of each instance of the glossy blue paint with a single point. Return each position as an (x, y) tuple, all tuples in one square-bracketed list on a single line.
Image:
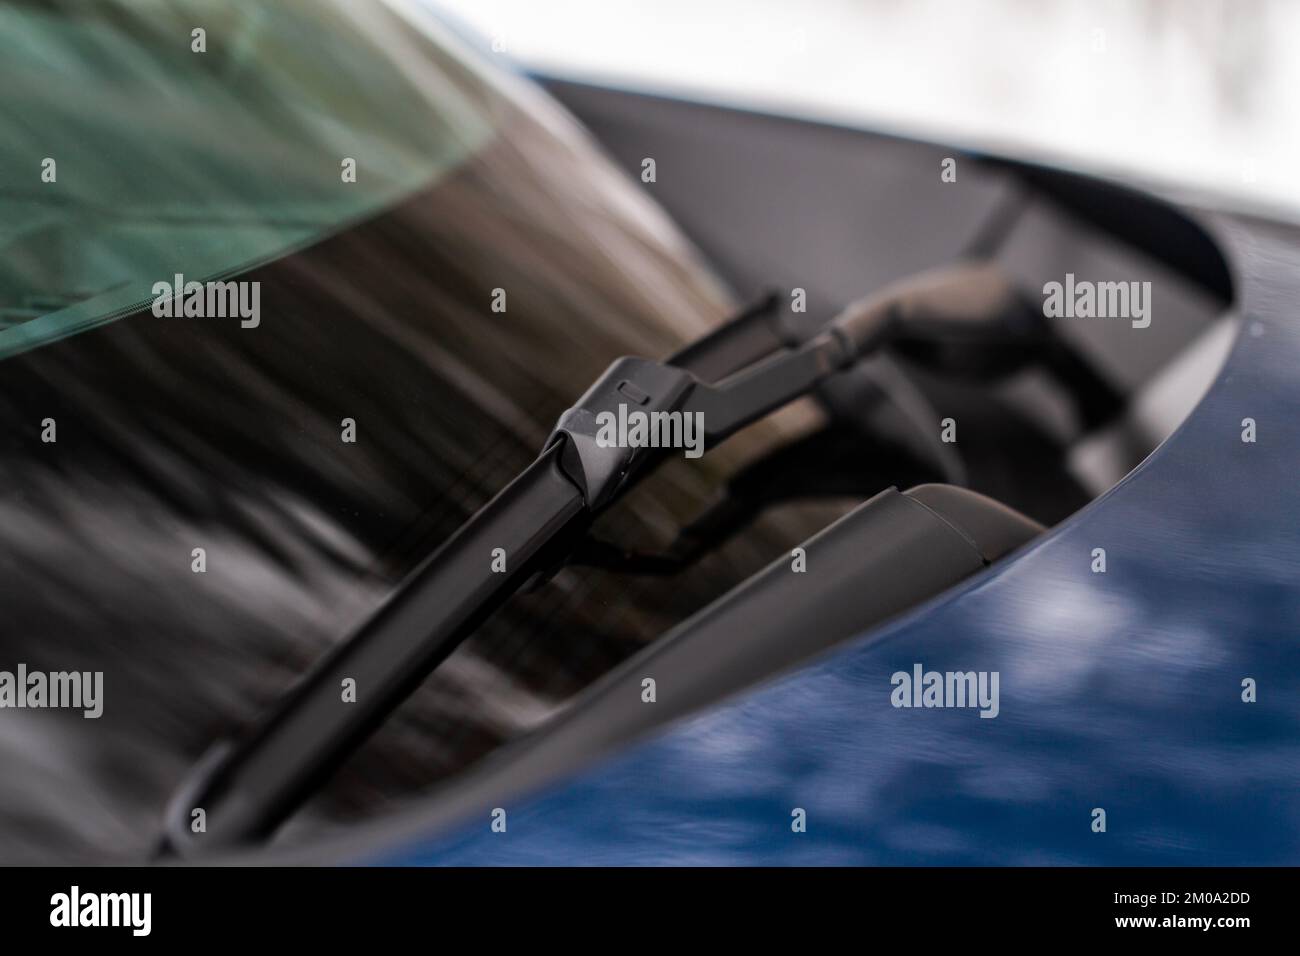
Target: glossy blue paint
[(1119, 690)]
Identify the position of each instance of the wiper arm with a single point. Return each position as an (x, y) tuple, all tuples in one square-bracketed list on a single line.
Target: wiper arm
[(246, 790)]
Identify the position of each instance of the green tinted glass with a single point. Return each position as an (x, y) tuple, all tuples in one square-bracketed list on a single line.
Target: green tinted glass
[(136, 147)]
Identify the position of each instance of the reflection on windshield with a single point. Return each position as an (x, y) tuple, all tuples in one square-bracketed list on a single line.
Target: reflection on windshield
[(143, 140)]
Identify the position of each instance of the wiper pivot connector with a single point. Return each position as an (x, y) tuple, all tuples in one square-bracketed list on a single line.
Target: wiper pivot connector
[(599, 469)]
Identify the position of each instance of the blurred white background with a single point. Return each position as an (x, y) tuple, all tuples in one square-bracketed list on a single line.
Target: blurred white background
[(1200, 94)]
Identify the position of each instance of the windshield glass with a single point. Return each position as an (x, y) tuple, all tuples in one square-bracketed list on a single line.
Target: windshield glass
[(146, 139), (198, 509)]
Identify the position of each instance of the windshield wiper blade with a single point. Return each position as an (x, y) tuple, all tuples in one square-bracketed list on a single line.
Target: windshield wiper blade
[(246, 790)]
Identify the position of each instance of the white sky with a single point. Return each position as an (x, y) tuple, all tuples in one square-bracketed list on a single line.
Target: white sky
[(1205, 94)]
